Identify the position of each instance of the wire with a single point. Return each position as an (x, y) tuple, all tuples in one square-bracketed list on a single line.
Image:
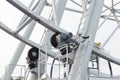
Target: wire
[(52, 68), (110, 67)]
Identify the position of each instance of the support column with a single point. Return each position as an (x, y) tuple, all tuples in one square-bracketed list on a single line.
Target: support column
[(83, 53)]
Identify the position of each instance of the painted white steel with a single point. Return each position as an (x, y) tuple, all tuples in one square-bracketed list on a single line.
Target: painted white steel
[(48, 24), (21, 45), (82, 56), (102, 53), (102, 78)]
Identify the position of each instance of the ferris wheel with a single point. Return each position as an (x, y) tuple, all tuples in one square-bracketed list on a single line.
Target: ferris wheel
[(76, 39)]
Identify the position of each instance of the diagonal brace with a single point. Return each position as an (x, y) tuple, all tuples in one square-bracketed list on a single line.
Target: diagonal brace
[(23, 39), (48, 24)]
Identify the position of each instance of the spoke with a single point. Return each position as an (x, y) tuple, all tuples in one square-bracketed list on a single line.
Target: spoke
[(69, 9), (23, 26), (25, 17), (76, 3), (36, 5), (54, 12), (73, 10), (24, 21), (116, 18), (109, 7), (110, 16), (24, 40), (112, 4), (104, 44), (48, 24)]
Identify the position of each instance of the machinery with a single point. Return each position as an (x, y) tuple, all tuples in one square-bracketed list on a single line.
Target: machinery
[(64, 54)]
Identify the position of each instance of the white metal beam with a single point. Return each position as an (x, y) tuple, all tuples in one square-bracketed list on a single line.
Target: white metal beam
[(96, 51), (25, 21), (76, 3), (21, 45), (22, 26), (104, 78), (102, 53), (26, 41), (60, 7), (69, 9), (110, 6), (106, 41), (61, 4), (82, 56), (25, 17), (48, 24)]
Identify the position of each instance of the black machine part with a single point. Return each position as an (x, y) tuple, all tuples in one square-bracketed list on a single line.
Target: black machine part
[(33, 54), (59, 40), (32, 57)]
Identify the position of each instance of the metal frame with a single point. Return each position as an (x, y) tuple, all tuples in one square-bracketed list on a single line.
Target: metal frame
[(48, 24), (79, 70), (90, 29), (21, 45)]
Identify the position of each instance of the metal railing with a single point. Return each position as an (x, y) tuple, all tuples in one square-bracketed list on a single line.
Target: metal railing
[(19, 72)]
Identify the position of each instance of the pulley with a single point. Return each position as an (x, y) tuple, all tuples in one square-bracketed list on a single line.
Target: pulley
[(32, 57), (64, 42), (33, 54)]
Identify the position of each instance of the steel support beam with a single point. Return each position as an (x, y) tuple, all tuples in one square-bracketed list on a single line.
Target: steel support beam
[(26, 41), (48, 24), (102, 53), (97, 51), (82, 56), (21, 45), (57, 10), (60, 7)]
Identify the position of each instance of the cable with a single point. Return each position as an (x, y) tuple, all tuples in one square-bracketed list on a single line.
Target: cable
[(110, 67), (52, 68), (51, 71)]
